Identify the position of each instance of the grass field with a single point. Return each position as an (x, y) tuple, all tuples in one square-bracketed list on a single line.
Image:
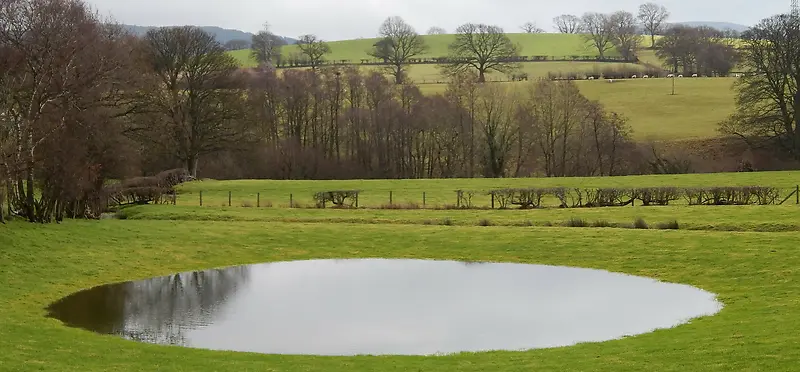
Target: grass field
[(694, 112), (375, 193), (554, 45), (753, 270), (754, 274)]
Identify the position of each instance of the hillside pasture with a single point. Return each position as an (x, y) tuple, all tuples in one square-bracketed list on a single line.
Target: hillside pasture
[(551, 45)]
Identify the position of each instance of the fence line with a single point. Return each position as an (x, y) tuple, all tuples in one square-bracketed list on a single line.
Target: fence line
[(533, 198)]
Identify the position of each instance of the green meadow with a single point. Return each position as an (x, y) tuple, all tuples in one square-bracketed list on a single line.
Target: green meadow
[(754, 273)]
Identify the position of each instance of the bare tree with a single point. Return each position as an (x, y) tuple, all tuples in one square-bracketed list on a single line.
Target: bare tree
[(265, 48), (568, 24), (652, 16), (399, 43), (314, 49), (599, 31), (483, 48), (237, 44), (768, 96), (625, 36), (62, 73), (191, 107), (702, 50), (495, 118), (435, 30), (531, 28)]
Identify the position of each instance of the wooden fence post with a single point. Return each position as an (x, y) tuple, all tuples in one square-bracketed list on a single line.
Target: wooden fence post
[(492, 200), (258, 200), (356, 200), (229, 198), (174, 198), (423, 199), (201, 198), (797, 194), (291, 200), (390, 198)]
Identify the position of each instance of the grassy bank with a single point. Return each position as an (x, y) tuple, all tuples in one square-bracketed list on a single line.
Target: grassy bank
[(753, 273)]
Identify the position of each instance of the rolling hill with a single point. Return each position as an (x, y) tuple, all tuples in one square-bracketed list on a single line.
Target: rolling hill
[(223, 35), (551, 45)]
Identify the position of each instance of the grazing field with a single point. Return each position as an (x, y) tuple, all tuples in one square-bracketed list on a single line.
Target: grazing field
[(694, 112), (754, 275), (441, 192), (552, 45)]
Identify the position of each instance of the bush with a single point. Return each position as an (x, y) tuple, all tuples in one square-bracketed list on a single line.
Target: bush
[(121, 215), (339, 198), (671, 225), (602, 223), (484, 222), (447, 222), (408, 205), (247, 204), (577, 222), (640, 223), (266, 204)]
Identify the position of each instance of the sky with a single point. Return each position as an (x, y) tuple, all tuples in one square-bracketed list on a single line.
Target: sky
[(350, 19)]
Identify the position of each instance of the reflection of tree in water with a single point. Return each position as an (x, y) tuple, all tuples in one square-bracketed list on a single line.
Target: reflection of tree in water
[(158, 310)]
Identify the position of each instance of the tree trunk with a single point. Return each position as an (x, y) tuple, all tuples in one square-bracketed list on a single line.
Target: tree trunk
[(653, 40), (191, 165), (481, 76)]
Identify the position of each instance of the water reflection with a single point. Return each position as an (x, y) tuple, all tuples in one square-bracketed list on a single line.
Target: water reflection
[(376, 306), (158, 310)]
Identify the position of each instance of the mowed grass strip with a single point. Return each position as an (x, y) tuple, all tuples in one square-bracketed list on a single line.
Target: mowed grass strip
[(441, 192), (754, 274)]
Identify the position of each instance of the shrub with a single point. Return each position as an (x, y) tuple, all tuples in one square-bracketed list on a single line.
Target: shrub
[(671, 225), (464, 198), (484, 222), (427, 222), (577, 222), (266, 204), (602, 223), (447, 221), (121, 215), (339, 198), (657, 195), (640, 223), (408, 205), (247, 204)]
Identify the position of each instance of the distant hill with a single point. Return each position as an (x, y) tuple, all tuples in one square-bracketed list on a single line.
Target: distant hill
[(718, 25), (223, 35)]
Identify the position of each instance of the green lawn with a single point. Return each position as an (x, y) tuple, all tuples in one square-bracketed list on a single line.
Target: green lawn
[(440, 192), (754, 274), (552, 45)]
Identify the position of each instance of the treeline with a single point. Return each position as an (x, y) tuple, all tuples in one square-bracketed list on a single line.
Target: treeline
[(341, 123)]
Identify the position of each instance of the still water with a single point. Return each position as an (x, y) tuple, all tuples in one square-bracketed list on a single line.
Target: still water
[(378, 306)]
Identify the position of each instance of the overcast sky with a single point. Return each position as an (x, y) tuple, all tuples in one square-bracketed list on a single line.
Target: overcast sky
[(350, 19)]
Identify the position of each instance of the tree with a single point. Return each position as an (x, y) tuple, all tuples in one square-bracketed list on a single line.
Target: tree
[(265, 47), (599, 31), (768, 96), (568, 24), (191, 106), (62, 73), (398, 45), (624, 34), (483, 48), (531, 28), (237, 44), (436, 31), (495, 118), (701, 50), (652, 16), (314, 49)]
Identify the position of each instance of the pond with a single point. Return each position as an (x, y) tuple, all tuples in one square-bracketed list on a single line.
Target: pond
[(382, 306)]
